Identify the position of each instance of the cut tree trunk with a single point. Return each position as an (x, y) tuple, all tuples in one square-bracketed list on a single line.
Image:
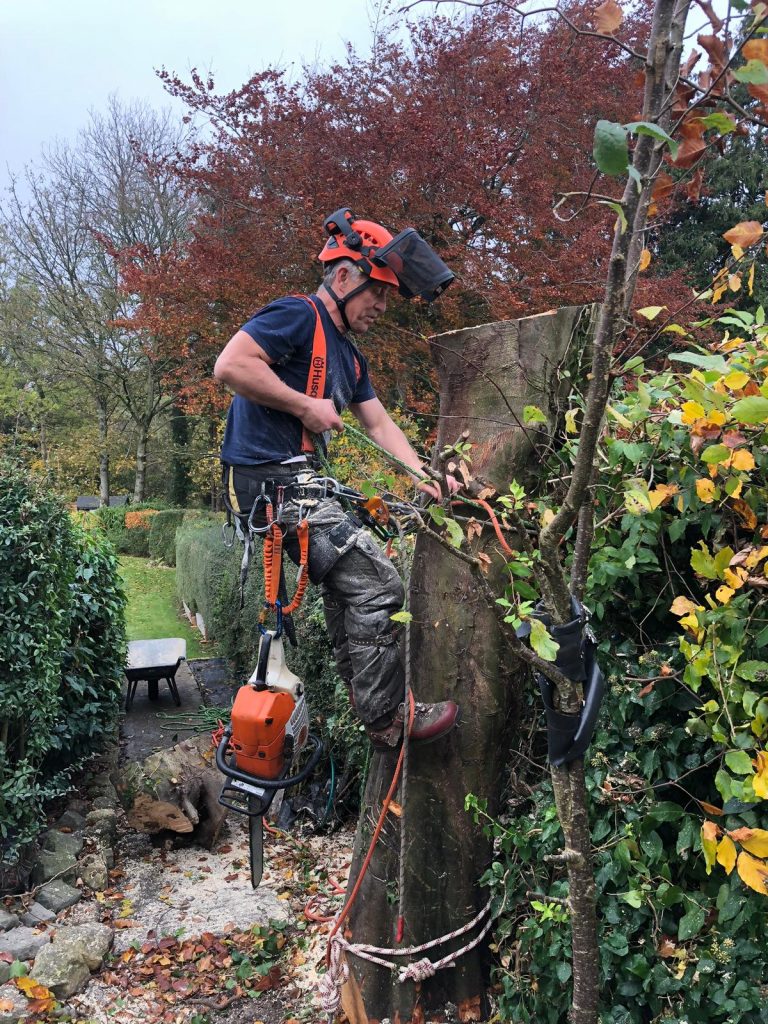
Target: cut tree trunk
[(487, 376), (177, 790)]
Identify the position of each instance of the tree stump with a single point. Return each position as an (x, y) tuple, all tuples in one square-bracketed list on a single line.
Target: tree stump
[(177, 790), (487, 375)]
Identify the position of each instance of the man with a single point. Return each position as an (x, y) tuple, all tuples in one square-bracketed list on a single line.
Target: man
[(294, 369)]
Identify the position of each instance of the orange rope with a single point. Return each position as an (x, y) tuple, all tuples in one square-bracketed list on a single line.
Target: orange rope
[(302, 532), (494, 522), (273, 556), (375, 837)]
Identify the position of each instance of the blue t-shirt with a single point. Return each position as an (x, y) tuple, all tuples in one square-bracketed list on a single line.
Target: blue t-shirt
[(285, 330)]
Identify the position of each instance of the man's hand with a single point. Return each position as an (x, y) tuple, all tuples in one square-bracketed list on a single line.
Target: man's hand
[(320, 415), (433, 489)]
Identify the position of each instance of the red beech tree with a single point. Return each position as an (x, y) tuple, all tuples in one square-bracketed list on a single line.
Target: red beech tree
[(467, 131)]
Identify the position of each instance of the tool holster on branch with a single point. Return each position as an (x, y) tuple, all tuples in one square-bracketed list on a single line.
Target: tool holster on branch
[(568, 736)]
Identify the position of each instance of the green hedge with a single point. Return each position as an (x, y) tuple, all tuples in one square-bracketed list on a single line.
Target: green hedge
[(134, 541), (162, 535), (62, 649)]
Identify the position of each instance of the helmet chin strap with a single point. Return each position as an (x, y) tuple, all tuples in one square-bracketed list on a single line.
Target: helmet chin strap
[(341, 302)]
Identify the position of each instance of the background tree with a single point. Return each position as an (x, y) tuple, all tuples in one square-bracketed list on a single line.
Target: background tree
[(107, 192)]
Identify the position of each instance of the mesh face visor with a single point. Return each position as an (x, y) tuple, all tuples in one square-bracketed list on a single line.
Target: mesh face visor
[(417, 266)]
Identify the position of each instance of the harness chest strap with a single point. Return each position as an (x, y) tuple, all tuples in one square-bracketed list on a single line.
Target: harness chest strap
[(317, 370)]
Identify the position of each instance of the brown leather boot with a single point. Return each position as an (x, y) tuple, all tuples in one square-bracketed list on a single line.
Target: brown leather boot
[(430, 722)]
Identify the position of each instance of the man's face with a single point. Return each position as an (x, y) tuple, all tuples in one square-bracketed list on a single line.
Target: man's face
[(368, 305)]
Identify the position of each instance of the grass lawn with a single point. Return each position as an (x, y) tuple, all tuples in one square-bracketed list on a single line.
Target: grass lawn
[(153, 609)]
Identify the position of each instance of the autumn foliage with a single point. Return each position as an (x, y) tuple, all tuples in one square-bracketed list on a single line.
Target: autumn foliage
[(467, 131)]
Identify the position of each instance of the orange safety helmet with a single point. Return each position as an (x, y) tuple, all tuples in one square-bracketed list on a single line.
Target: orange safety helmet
[(359, 241)]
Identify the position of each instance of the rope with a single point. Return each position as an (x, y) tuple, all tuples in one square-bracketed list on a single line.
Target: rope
[(406, 745), (419, 970)]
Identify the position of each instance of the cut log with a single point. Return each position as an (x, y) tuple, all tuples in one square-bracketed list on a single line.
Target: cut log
[(178, 790)]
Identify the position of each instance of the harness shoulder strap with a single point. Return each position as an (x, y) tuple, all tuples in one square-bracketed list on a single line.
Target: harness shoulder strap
[(317, 369)]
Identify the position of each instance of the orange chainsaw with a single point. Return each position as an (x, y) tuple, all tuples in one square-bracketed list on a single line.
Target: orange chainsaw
[(268, 729)]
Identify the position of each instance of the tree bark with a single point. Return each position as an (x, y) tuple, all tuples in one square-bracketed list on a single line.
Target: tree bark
[(487, 376), (103, 452)]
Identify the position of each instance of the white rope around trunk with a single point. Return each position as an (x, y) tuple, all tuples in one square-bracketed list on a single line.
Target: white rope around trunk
[(419, 970)]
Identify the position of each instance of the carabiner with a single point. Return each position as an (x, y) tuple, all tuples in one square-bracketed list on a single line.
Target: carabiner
[(252, 528)]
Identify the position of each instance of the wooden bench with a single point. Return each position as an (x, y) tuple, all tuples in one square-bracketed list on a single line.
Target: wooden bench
[(153, 660)]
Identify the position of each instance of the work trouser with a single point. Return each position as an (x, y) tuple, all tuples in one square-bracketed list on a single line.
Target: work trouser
[(360, 587)]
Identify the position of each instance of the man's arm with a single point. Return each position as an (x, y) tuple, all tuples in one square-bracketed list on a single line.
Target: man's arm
[(382, 429), (245, 367)]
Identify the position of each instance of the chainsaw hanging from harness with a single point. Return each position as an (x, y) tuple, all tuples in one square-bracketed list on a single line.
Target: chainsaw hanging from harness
[(269, 728)]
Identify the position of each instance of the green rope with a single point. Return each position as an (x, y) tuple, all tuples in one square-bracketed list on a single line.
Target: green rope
[(205, 719), (358, 435)]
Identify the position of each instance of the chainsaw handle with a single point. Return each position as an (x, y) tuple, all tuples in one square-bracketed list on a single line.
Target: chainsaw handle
[(291, 780)]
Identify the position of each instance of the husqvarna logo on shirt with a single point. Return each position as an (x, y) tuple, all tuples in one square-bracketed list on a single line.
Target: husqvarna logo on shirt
[(316, 377)]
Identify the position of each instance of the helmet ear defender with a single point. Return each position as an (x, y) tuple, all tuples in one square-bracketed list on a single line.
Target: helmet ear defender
[(405, 261)]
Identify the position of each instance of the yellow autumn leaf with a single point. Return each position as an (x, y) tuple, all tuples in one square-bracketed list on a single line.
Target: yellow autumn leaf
[(547, 516), (716, 418), (726, 854), (755, 49), (737, 252), (661, 494), (645, 259), (736, 380), (717, 293), (760, 778), (735, 578), (622, 420), (729, 344), (650, 312), (570, 421), (705, 489), (724, 594), (753, 872), (691, 623), (692, 411), (744, 234), (755, 841), (751, 279), (734, 282), (755, 557), (682, 606), (743, 459), (709, 834)]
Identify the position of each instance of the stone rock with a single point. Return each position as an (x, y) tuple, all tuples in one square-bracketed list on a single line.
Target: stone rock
[(23, 943), (64, 966), (57, 896), (61, 969), (93, 871), (5, 972), (102, 803), (63, 842), (71, 819), (78, 806), (7, 920), (103, 824), (9, 994), (37, 914), (50, 864)]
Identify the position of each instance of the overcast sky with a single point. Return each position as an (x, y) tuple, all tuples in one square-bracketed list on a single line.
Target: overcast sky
[(58, 58)]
